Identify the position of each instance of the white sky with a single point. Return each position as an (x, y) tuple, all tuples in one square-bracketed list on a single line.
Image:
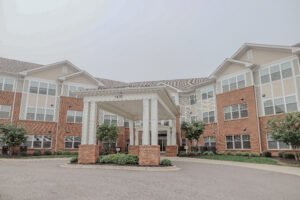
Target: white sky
[(137, 40)]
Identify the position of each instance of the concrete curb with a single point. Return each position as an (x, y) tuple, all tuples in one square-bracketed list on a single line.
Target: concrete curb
[(115, 167)]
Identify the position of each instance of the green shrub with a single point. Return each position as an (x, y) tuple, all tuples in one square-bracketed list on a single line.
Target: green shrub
[(229, 153), (245, 154), (289, 156), (221, 153), (23, 153), (74, 160), (119, 159), (67, 153), (281, 154), (37, 153), (47, 152), (75, 153), (254, 154), (238, 153), (166, 162), (188, 154), (59, 152), (267, 154)]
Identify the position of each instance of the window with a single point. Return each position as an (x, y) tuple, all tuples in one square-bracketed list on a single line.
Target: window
[(273, 144), (39, 141), (182, 119), (193, 99), (49, 115), (166, 122), (74, 116), (72, 142), (286, 70), (52, 89), (42, 88), (34, 87), (126, 123), (30, 113), (73, 89), (207, 93), (209, 117), (281, 105), (193, 118), (238, 142), (173, 98), (264, 76), (291, 104), (210, 141), (4, 112), (237, 111), (234, 83), (6, 84), (110, 119), (40, 114), (275, 73)]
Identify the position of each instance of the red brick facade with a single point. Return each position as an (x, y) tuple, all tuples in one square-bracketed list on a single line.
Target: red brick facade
[(149, 155)]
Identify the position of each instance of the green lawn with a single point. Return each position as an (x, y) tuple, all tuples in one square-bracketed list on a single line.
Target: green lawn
[(48, 156), (260, 160)]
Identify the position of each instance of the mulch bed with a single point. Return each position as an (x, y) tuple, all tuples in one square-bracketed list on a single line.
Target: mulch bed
[(288, 161), (111, 164)]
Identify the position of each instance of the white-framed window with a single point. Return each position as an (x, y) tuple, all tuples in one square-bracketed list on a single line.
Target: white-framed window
[(182, 119), (126, 123), (280, 105), (207, 93), (273, 144), (44, 88), (72, 142), (238, 141), (110, 119), (39, 141), (237, 111), (193, 99), (73, 89), (193, 118), (74, 116), (7, 84), (209, 141), (276, 72), (40, 114), (234, 83), (209, 117), (4, 111)]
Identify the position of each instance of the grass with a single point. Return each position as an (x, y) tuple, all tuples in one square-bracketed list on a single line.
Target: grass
[(260, 160), (47, 156)]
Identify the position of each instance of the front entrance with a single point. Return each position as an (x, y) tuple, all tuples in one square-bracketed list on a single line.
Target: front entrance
[(162, 142)]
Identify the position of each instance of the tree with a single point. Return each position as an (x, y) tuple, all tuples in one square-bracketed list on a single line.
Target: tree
[(13, 136), (287, 130), (193, 130), (107, 134)]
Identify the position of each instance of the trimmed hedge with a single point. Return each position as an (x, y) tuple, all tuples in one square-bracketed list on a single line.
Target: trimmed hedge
[(244, 154), (188, 154), (208, 153), (23, 153), (59, 152), (238, 153), (254, 154), (67, 153), (75, 153), (289, 156), (267, 154), (37, 153), (221, 153), (47, 152), (229, 153), (119, 159), (74, 160), (166, 162), (281, 154)]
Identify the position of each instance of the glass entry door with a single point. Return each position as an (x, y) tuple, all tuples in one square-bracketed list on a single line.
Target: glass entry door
[(162, 142)]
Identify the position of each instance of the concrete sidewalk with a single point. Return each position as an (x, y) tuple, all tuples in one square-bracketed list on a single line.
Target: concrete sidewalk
[(266, 167)]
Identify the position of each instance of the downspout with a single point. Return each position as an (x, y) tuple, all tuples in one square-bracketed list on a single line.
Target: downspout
[(14, 101), (257, 117), (58, 117)]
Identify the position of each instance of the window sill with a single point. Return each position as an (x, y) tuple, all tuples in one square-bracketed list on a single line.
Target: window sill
[(229, 120)]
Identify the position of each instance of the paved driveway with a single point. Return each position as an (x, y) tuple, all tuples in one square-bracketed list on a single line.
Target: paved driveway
[(45, 179)]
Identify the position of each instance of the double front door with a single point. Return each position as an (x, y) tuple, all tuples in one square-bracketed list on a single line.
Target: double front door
[(162, 142)]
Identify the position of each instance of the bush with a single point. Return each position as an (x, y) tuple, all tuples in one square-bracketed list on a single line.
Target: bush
[(23, 153), (74, 160), (75, 153), (188, 154), (267, 154), (245, 154), (289, 156), (37, 153), (67, 153), (59, 152), (254, 154), (166, 162), (238, 153), (47, 152), (119, 159), (208, 153), (229, 153), (281, 154), (221, 153)]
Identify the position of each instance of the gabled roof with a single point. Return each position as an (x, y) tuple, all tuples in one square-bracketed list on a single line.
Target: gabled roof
[(16, 66), (63, 78), (228, 61), (110, 83), (246, 46)]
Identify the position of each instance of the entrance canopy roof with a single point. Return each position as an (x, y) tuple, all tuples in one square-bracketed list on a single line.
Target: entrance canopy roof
[(128, 101)]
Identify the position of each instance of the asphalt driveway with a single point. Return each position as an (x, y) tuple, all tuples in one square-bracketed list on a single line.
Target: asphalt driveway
[(47, 180)]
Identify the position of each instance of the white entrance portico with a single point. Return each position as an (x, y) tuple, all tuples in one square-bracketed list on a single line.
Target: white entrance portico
[(148, 104)]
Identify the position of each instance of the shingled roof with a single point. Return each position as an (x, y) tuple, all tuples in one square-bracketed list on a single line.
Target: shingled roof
[(15, 66)]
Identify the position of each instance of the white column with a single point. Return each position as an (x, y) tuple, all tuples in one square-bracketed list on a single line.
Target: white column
[(92, 125), (146, 122), (168, 137), (136, 138), (85, 122), (154, 121), (174, 138), (131, 136)]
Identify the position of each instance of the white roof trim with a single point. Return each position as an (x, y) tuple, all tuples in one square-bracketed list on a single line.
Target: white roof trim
[(24, 73), (63, 78), (165, 84)]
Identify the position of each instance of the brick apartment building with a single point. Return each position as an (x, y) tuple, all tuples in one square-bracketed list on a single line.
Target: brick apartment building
[(257, 83)]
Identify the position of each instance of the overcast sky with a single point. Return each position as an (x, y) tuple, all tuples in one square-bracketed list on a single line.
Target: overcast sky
[(137, 40)]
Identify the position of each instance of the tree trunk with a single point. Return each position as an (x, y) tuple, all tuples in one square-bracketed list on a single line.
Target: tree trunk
[(296, 153), (11, 151)]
